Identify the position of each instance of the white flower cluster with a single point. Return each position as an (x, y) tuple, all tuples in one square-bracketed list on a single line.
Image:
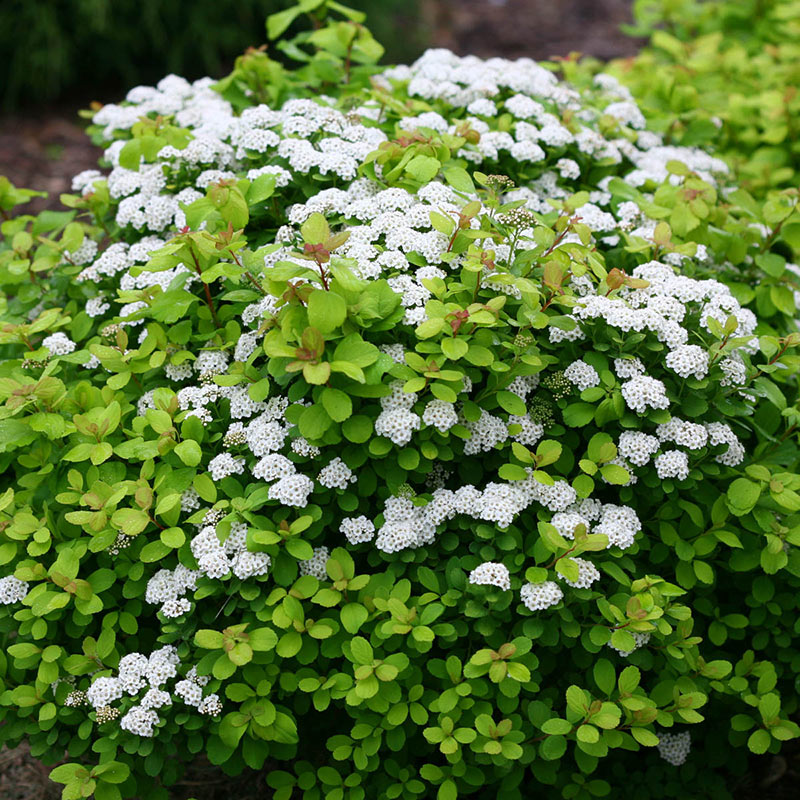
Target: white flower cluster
[(336, 475), (582, 375), (316, 565), (390, 233), (168, 587), (721, 433), (357, 529), (190, 691), (59, 344), (410, 525), (216, 559), (440, 414), (642, 392), (674, 747), (225, 464), (587, 574), (687, 360), (487, 432), (491, 573), (12, 590), (637, 447), (397, 422), (538, 596), (672, 464), (137, 673), (482, 87)]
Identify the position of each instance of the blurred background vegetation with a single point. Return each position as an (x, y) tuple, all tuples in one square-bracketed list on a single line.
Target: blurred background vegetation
[(59, 50)]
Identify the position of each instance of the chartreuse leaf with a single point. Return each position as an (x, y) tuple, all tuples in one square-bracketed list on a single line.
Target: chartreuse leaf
[(326, 310)]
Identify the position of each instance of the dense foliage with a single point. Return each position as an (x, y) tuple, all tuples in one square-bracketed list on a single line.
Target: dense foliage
[(723, 74), (411, 432)]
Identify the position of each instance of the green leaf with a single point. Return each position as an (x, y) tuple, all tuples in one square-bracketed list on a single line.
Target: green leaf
[(130, 154), (629, 679), (112, 772), (742, 496), (357, 429), (548, 452), (353, 616), (337, 403), (623, 640), (317, 374), (423, 168), (556, 726), (361, 650), (553, 747), (355, 350), (315, 230), (512, 403), (615, 474), (326, 310), (577, 415), (576, 700), (377, 301), (262, 639), (289, 644), (459, 179), (447, 791), (189, 452), (314, 421), (759, 741), (769, 706), (479, 356), (66, 773), (568, 568), (644, 736), (259, 390), (431, 327), (277, 23), (172, 537), (260, 189), (208, 639), (454, 348), (512, 472), (587, 733), (205, 487), (300, 549), (604, 675), (327, 597)]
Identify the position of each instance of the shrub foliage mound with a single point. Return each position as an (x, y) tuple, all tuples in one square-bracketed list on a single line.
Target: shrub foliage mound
[(723, 73), (409, 432)]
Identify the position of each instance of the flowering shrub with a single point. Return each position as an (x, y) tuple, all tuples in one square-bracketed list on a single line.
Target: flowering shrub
[(392, 429)]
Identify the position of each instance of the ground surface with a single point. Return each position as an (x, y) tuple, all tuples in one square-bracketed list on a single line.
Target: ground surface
[(45, 148)]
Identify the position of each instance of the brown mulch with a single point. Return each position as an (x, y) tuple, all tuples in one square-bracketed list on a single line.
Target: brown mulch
[(22, 777), (534, 28), (43, 151)]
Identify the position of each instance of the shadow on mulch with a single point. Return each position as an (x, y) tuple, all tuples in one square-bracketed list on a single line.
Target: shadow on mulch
[(44, 151)]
